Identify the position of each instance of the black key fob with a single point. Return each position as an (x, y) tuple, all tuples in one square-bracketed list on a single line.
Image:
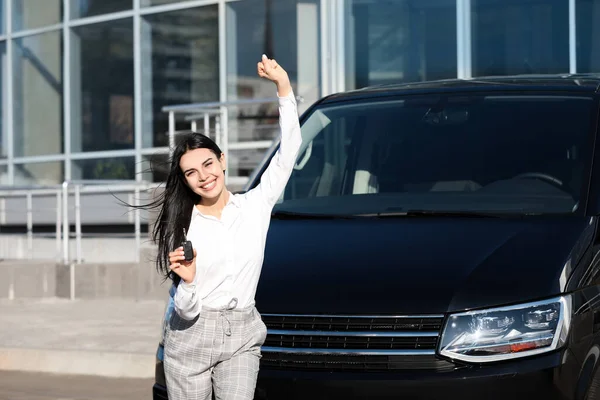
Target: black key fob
[(188, 251)]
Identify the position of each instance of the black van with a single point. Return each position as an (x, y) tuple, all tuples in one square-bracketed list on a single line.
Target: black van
[(437, 240)]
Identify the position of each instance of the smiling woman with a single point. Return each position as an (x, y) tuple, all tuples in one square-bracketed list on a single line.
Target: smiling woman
[(204, 169), (214, 291)]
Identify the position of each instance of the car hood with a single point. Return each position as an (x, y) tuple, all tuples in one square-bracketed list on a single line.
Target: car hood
[(416, 265)]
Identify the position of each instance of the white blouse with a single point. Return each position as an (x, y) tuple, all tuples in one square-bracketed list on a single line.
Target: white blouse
[(230, 250)]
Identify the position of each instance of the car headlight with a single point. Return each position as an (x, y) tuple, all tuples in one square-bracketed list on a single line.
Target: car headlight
[(507, 332)]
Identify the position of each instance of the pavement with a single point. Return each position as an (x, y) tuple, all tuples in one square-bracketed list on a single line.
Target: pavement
[(106, 337), (43, 386)]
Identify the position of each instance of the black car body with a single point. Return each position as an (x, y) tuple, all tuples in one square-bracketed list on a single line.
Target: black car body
[(438, 239)]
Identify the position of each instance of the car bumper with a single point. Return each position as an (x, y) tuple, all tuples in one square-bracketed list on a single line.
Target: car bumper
[(550, 377)]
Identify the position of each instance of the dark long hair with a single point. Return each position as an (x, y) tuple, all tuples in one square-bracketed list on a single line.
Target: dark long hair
[(176, 202)]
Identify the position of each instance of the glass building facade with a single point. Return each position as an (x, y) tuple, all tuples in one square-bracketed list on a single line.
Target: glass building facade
[(83, 82)]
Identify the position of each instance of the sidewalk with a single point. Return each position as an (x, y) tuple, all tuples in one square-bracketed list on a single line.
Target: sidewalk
[(110, 337)]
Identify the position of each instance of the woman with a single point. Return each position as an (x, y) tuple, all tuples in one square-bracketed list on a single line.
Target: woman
[(214, 338)]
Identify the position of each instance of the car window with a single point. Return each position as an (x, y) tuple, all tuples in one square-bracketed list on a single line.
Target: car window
[(504, 153)]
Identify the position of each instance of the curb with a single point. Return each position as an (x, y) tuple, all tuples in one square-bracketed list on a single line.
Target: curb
[(77, 362)]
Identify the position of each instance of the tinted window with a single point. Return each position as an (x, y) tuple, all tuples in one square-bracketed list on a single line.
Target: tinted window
[(502, 153)]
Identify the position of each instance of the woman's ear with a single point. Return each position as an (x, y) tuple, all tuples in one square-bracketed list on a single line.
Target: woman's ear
[(223, 162)]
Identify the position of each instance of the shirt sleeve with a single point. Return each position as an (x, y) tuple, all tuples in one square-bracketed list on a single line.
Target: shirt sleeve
[(186, 302), (275, 178)]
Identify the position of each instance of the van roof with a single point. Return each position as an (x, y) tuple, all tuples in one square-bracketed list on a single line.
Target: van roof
[(589, 83)]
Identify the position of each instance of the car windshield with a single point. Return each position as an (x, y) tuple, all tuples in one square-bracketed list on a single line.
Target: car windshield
[(500, 153)]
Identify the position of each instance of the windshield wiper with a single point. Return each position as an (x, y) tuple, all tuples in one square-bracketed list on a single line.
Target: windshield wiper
[(403, 214), (296, 215), (443, 213)]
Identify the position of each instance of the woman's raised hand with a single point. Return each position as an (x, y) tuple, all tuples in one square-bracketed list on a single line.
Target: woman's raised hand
[(269, 69)]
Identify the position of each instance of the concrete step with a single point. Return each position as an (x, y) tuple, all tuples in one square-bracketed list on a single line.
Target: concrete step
[(109, 337), (78, 362), (47, 279)]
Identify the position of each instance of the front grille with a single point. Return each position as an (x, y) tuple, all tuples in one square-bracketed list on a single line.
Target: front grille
[(353, 362), (348, 323), (352, 343), (311, 340)]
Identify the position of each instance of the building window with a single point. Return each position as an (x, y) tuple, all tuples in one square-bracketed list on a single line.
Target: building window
[(399, 41), (3, 102), (180, 65), (43, 173), (102, 86), (2, 19), (117, 168), (519, 37), (147, 3), (30, 14), (4, 179), (588, 35), (38, 95), (90, 8), (286, 30)]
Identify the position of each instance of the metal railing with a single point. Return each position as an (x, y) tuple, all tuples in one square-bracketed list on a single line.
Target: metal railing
[(67, 211), (216, 114), (28, 194)]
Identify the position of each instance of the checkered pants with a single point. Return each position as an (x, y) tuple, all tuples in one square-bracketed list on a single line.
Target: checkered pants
[(219, 350)]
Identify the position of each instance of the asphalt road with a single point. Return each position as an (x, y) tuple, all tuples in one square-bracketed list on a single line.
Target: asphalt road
[(35, 386)]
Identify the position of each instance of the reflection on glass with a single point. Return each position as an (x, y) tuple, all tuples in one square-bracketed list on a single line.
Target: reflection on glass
[(282, 29), (46, 173), (89, 8), (243, 162), (38, 85), (399, 41), (4, 175), (3, 133), (588, 35), (519, 37), (118, 168), (2, 12), (30, 14), (180, 65), (146, 3), (102, 86), (286, 30)]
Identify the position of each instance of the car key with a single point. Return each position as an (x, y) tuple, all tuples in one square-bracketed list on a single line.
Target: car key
[(188, 251)]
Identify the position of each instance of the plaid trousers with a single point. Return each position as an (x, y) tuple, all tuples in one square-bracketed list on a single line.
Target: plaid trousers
[(219, 350)]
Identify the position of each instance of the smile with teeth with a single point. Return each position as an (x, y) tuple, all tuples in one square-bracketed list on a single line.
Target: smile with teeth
[(209, 185)]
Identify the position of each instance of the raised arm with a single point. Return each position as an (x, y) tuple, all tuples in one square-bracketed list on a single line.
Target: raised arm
[(277, 174)]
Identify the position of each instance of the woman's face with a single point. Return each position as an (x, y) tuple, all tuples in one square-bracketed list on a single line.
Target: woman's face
[(203, 172)]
